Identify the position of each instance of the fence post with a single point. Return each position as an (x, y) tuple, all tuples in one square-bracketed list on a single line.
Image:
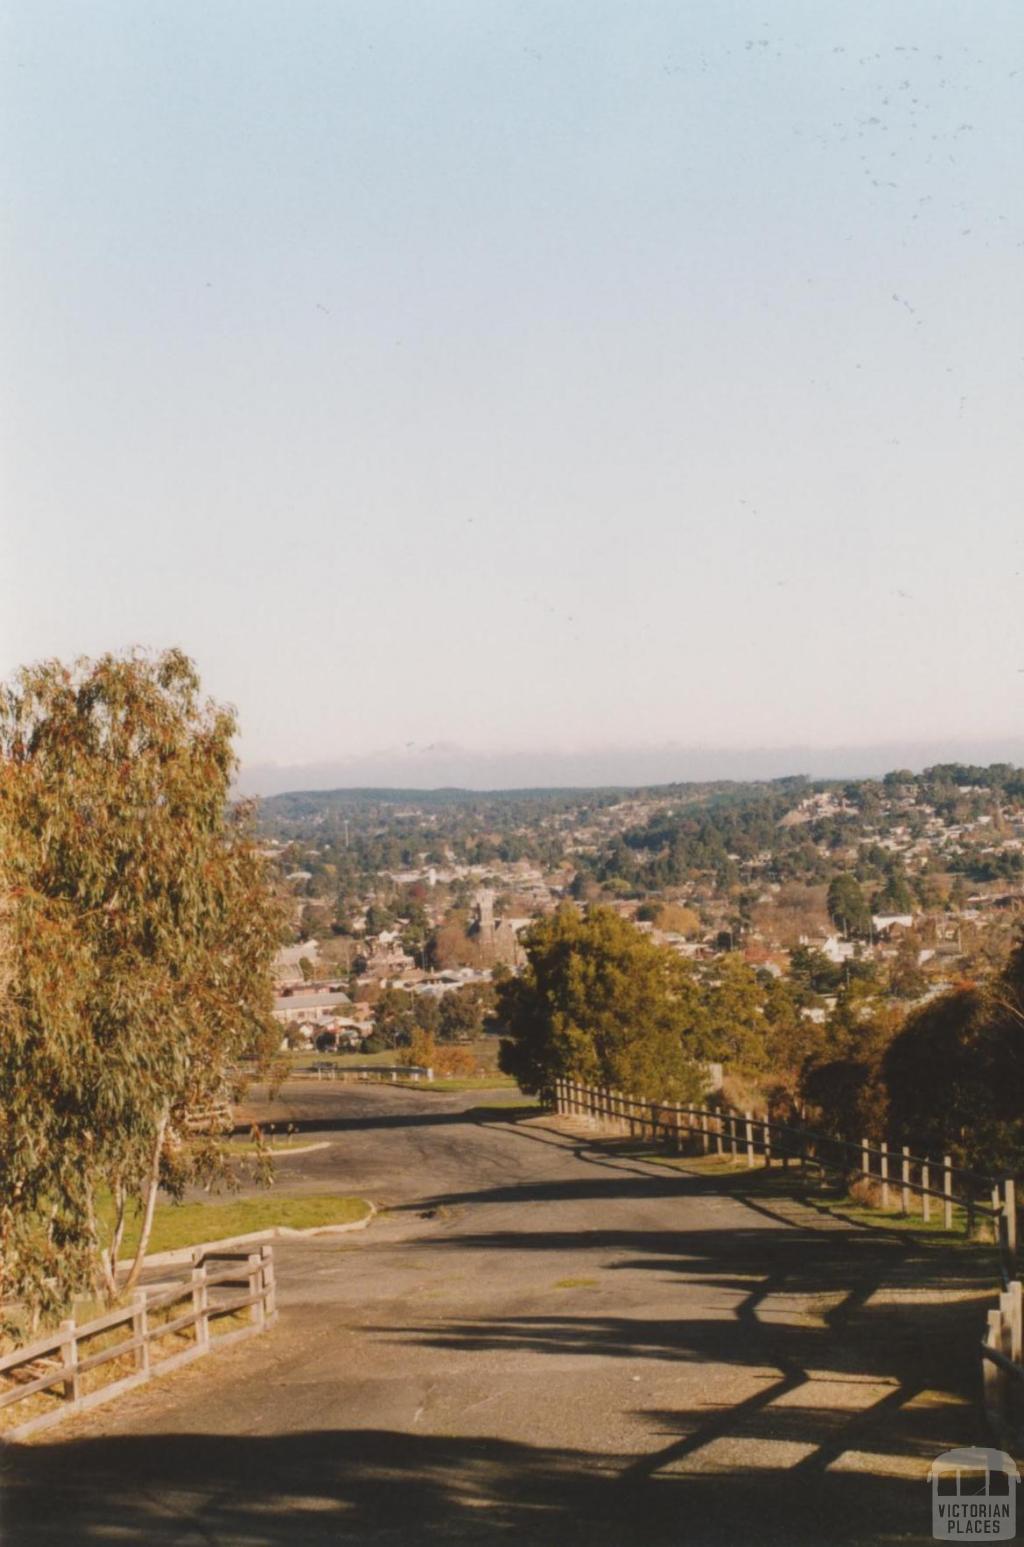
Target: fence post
[(749, 1130), (998, 1219), (200, 1301), (865, 1160), (926, 1202), (1010, 1212), (253, 1270), (991, 1374), (1016, 1322), (720, 1134), (140, 1330), (69, 1359), (905, 1179), (766, 1136), (269, 1283), (947, 1192), (884, 1147)]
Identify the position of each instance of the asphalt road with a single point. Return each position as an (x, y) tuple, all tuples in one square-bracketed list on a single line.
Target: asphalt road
[(543, 1340)]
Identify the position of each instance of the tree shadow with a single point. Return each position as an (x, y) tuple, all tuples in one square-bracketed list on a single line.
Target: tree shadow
[(388, 1487), (823, 1348)]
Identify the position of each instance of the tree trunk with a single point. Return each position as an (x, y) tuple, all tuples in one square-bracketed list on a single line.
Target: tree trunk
[(152, 1185), (108, 1256), (102, 1282)]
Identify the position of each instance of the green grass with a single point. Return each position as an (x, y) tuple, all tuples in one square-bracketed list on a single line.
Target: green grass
[(463, 1082), (177, 1225), (827, 1195), (343, 1060), (484, 1051), (245, 1147)]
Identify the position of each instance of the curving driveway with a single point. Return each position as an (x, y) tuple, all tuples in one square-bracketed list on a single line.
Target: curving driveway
[(543, 1340)]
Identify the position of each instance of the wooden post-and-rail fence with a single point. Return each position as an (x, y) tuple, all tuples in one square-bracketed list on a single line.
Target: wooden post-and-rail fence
[(60, 1366), (891, 1168), (1002, 1352), (749, 1140)]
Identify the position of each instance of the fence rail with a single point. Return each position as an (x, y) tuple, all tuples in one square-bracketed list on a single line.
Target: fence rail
[(745, 1138), (1002, 1353), (219, 1285)]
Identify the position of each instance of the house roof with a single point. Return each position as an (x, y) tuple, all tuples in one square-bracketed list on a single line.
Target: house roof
[(319, 999)]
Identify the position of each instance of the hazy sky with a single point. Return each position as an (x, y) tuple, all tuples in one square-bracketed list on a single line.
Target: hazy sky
[(531, 376)]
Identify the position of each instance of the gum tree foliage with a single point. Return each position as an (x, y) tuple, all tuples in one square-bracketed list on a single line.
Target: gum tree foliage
[(137, 936), (600, 1003)]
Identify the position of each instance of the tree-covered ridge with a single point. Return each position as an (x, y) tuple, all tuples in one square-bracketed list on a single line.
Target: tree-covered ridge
[(780, 829), (793, 828)]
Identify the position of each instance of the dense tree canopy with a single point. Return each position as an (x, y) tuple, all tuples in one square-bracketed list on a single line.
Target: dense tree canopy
[(599, 1002), (955, 1072), (137, 938), (848, 906)]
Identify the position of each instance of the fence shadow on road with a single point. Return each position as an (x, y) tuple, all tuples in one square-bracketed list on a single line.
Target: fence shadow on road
[(862, 1342), (380, 1486), (826, 1345)]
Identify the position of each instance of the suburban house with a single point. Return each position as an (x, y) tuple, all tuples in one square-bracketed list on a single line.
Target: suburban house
[(315, 1005)]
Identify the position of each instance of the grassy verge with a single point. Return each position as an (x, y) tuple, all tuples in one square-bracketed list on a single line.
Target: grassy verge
[(305, 1059), (177, 1225), (244, 1146), (827, 1195), (464, 1082)]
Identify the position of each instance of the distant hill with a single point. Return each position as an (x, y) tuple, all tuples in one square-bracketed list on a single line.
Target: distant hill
[(442, 767)]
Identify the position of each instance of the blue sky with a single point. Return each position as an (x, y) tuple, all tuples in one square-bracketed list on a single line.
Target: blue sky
[(523, 378)]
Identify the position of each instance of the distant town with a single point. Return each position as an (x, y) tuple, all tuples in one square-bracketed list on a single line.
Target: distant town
[(859, 898)]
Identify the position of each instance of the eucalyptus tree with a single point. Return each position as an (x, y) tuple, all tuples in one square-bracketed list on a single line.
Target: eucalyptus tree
[(138, 929)]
